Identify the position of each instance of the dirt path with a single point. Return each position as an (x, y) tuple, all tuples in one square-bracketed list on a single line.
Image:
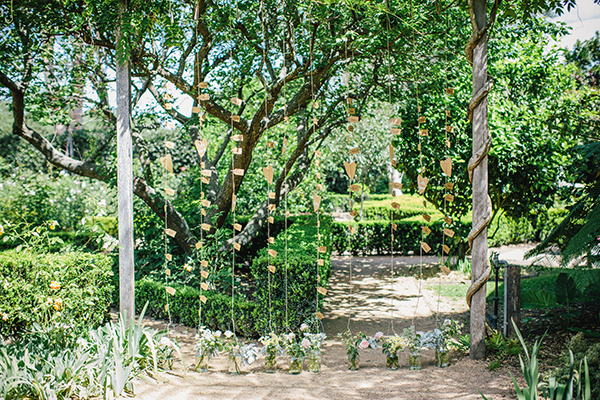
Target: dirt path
[(367, 301)]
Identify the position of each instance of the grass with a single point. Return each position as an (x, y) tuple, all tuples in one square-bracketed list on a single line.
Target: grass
[(457, 291)]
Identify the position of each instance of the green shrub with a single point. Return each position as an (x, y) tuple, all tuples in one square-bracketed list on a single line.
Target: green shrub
[(301, 261), (80, 300), (184, 307), (375, 237)]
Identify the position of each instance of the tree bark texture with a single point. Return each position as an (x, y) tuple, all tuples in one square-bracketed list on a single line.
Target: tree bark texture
[(125, 179)]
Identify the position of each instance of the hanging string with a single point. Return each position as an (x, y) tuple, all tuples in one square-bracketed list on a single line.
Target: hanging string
[(168, 167)]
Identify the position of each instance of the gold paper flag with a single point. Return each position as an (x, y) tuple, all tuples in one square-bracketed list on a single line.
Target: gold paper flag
[(237, 227), (352, 111), (268, 173), (170, 290), (170, 145), (426, 230), (316, 202), (204, 286), (449, 185), (353, 119), (397, 185), (168, 272), (446, 166), (271, 195), (205, 227), (354, 188), (196, 110), (353, 213), (271, 269), (394, 226), (446, 249), (424, 132), (450, 91), (169, 257), (166, 308), (272, 207), (204, 180), (271, 220), (170, 232), (448, 232), (449, 197), (198, 245), (203, 298), (272, 252), (322, 249), (202, 85), (271, 240), (238, 172), (236, 150), (449, 128), (201, 146), (422, 183), (322, 290), (204, 263), (238, 138), (319, 186), (270, 145), (426, 217), (349, 100), (236, 101), (422, 120), (351, 229), (320, 262), (350, 169), (445, 270), (204, 274), (391, 149), (448, 220), (205, 203), (168, 106), (235, 118), (395, 206), (170, 192), (354, 151), (167, 162), (396, 121), (237, 246), (396, 131), (204, 97), (319, 315), (425, 247)]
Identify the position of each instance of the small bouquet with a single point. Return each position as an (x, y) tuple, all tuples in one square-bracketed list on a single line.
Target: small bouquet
[(414, 340), (272, 345), (391, 346), (233, 350), (295, 351), (208, 345), (354, 343), (312, 342)]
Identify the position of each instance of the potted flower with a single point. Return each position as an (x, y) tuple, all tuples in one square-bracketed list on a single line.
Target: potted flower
[(391, 346), (354, 343), (271, 347), (414, 344), (312, 342), (208, 345), (449, 330), (295, 352), (233, 350)]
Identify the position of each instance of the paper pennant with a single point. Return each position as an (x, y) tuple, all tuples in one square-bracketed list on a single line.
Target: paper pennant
[(396, 121), (448, 220), (448, 232), (315, 104), (272, 207), (426, 217), (201, 146), (446, 166), (271, 269), (424, 132), (203, 212), (350, 129), (203, 298), (170, 125), (449, 197), (271, 220), (204, 263), (396, 131), (238, 138), (425, 247), (349, 100), (168, 106), (170, 290), (170, 232), (394, 226), (237, 151), (170, 145), (351, 229), (350, 169), (322, 290), (422, 183), (426, 230), (204, 286), (316, 202), (272, 252), (322, 249), (352, 111), (391, 149), (449, 185), (205, 227), (395, 206), (238, 171), (397, 185), (204, 97), (449, 128), (167, 162), (271, 240), (353, 213), (196, 110), (286, 119), (283, 145), (198, 245), (353, 119), (271, 195), (319, 186), (237, 227), (450, 91), (319, 315), (288, 214), (354, 151), (204, 180), (170, 192), (205, 203), (446, 249), (422, 120), (271, 145), (268, 173), (236, 101), (169, 257), (202, 85), (235, 118), (320, 262), (447, 143), (204, 274), (445, 270), (318, 175), (355, 188), (237, 246), (168, 272)]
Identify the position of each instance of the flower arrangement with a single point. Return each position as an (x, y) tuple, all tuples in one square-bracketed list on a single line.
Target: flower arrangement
[(414, 344), (272, 345), (355, 343), (295, 351), (233, 350), (312, 342), (208, 345), (390, 347)]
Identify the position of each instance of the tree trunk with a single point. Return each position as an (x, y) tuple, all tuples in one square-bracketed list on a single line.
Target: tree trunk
[(480, 183), (124, 179)]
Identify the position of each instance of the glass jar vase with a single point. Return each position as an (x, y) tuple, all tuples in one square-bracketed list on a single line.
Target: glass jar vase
[(270, 363), (353, 361), (414, 360), (295, 365), (392, 361), (442, 358), (233, 366), (314, 361), (202, 365)]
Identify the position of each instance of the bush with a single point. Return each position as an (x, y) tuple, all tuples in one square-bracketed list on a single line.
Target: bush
[(270, 311), (375, 237), (72, 289), (185, 304)]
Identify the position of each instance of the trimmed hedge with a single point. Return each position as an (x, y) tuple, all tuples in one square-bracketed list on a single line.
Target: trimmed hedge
[(80, 301), (301, 276), (375, 237), (185, 303)]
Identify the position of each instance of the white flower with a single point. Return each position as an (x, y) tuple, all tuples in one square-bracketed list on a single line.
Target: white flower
[(102, 203), (378, 335), (303, 327), (217, 334), (4, 317), (1, 229), (228, 334)]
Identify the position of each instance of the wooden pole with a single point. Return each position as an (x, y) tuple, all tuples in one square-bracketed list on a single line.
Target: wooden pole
[(124, 178), (512, 299), (479, 248)]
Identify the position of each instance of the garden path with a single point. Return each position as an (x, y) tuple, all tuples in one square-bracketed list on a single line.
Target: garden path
[(367, 298)]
